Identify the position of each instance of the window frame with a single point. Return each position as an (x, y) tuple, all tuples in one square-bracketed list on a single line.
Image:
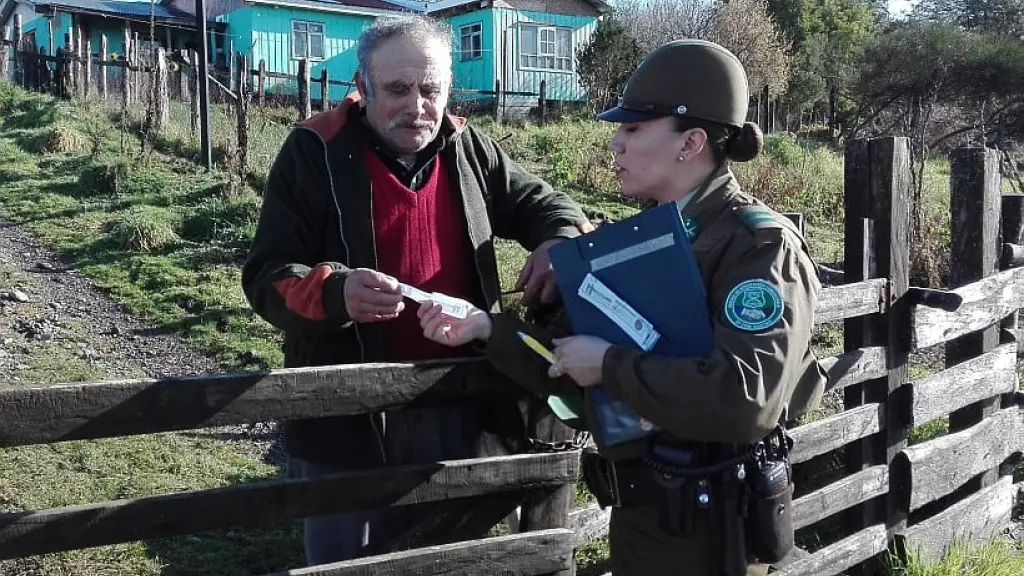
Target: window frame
[(309, 45), (547, 36), (474, 53)]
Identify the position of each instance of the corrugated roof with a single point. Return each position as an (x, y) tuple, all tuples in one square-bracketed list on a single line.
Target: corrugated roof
[(126, 8)]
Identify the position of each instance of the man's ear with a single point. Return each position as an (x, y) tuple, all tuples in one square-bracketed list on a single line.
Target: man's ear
[(360, 85)]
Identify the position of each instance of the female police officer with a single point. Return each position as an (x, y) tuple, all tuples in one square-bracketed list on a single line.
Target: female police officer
[(680, 120)]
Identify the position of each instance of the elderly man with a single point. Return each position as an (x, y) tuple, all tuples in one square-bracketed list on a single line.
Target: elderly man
[(389, 188)]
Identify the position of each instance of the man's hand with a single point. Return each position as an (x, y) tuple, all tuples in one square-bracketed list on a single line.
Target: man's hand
[(450, 331), (537, 277), (371, 296)]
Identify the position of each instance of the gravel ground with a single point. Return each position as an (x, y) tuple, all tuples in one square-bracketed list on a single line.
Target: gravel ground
[(49, 311)]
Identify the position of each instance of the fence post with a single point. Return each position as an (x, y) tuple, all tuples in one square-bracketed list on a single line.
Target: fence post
[(497, 100), (67, 81), (160, 91), (5, 48), (195, 91), (261, 83), (87, 63), (79, 51), (304, 105), (126, 88), (542, 101), (974, 206), (16, 65), (325, 90), (550, 508), (242, 109), (103, 67), (137, 73), (876, 199)]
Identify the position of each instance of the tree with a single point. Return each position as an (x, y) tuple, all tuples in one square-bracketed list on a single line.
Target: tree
[(654, 22), (605, 63), (748, 30)]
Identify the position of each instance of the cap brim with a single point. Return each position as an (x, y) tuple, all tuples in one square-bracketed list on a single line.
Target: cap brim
[(620, 114)]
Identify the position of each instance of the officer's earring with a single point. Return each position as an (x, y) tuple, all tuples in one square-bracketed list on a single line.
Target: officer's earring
[(682, 157)]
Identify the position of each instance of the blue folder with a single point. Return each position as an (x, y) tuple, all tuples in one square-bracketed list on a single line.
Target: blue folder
[(648, 263)]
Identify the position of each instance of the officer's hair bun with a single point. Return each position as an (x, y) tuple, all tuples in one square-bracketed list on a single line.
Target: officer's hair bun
[(745, 144)]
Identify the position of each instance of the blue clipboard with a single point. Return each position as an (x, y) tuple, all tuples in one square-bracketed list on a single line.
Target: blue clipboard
[(647, 262)]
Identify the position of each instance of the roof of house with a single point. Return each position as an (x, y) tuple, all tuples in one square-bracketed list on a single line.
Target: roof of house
[(127, 9), (432, 6), (363, 7)]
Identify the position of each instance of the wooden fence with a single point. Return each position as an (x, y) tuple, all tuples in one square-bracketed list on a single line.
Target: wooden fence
[(889, 494)]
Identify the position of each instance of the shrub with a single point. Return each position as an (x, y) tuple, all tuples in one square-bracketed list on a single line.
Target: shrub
[(144, 228), (121, 177), (224, 219)]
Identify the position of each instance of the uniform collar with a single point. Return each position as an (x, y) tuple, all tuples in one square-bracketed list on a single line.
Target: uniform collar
[(702, 205)]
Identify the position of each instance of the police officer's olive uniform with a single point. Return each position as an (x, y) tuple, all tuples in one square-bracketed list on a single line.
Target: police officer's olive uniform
[(762, 288)]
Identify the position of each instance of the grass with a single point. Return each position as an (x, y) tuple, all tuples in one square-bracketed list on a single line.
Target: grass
[(166, 239)]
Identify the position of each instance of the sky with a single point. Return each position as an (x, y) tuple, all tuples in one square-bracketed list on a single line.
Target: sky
[(899, 7)]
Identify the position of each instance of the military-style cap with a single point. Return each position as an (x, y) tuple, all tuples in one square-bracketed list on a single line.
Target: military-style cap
[(694, 78)]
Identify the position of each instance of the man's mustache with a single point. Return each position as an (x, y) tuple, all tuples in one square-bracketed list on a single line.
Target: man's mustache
[(414, 124)]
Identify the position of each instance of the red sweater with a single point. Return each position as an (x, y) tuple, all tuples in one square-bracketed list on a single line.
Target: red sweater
[(422, 241)]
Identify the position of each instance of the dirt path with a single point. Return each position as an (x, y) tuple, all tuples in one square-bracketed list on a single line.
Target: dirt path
[(56, 326)]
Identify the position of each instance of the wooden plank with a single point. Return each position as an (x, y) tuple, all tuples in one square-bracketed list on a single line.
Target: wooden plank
[(860, 487), (940, 466), (978, 379), (855, 367), (817, 438), (985, 303), (527, 554), (590, 523), (979, 517), (72, 527), (836, 558), (33, 415), (850, 300)]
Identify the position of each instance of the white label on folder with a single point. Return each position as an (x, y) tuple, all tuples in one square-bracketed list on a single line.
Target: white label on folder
[(639, 329), (450, 306), (634, 251)]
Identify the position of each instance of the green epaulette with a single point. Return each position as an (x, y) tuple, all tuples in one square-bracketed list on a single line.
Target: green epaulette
[(760, 218)]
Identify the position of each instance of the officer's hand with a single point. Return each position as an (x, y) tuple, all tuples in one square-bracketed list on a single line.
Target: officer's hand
[(371, 296), (579, 357), (451, 331), (536, 277)]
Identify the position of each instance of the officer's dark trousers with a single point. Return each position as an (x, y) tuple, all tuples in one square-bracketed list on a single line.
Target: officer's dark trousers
[(640, 548)]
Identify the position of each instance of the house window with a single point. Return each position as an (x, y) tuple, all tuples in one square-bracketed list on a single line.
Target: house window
[(307, 40), (545, 47), (471, 42)]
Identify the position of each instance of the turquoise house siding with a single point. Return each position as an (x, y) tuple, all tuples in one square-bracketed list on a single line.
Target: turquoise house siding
[(265, 33), (501, 49), (473, 73), (517, 77)]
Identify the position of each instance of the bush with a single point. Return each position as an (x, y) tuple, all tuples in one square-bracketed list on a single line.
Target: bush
[(121, 177), (144, 229), (223, 219)]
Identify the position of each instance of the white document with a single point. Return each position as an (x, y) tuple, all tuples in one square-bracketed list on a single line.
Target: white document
[(639, 328), (450, 306)]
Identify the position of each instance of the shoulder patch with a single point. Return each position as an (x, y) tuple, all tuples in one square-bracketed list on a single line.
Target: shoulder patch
[(754, 305), (757, 217)]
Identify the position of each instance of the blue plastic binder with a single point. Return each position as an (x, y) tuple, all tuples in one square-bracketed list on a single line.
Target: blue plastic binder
[(647, 263)]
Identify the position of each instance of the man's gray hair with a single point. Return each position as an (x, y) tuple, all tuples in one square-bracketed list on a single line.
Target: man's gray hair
[(415, 27)]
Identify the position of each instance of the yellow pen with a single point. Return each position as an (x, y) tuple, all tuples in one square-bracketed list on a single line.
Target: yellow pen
[(537, 347)]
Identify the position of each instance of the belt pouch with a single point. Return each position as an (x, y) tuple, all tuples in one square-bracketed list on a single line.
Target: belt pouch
[(770, 514)]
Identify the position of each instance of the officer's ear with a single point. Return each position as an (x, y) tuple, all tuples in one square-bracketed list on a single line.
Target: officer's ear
[(692, 142)]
